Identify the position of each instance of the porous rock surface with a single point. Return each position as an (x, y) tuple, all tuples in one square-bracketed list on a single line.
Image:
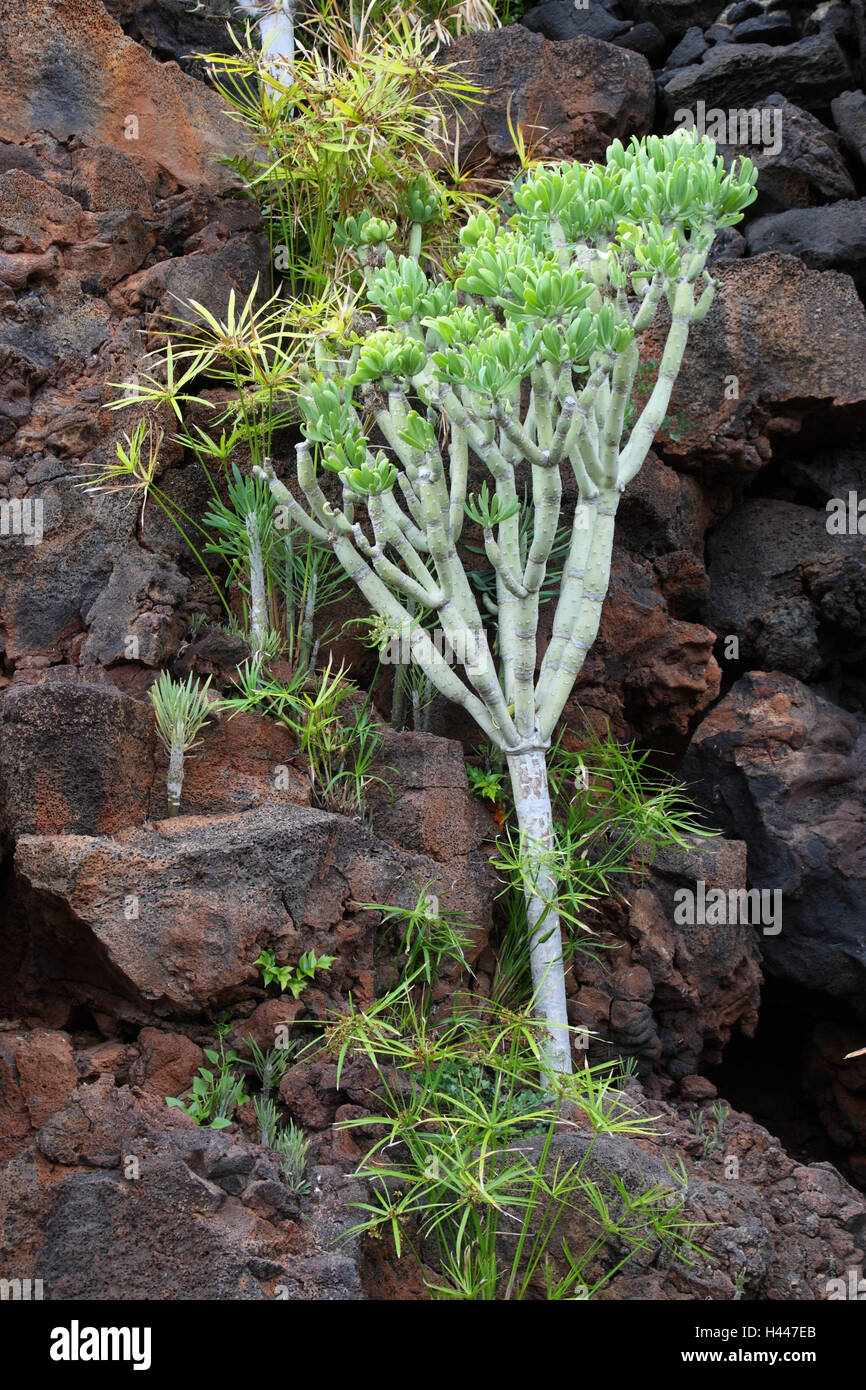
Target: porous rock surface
[(123, 933)]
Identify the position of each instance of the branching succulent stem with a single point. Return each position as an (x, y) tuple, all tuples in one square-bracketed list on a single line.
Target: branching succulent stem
[(526, 360)]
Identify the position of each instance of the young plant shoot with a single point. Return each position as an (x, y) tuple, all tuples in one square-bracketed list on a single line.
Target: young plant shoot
[(524, 361), (181, 710), (246, 540)]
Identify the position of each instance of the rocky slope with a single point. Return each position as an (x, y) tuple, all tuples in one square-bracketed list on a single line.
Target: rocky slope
[(732, 639)]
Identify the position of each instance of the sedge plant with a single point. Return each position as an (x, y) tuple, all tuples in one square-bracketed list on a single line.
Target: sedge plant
[(359, 117), (339, 739), (474, 1169), (522, 361), (612, 811), (293, 1148), (427, 935), (137, 465)]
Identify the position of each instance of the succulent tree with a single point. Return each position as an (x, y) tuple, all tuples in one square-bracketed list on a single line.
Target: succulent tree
[(521, 363)]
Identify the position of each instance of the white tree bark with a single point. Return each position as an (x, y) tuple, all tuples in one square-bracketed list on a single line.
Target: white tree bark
[(277, 30), (535, 819), (174, 780)]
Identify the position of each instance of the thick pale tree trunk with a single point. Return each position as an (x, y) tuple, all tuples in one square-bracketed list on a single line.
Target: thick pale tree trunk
[(277, 30), (535, 820), (174, 781)]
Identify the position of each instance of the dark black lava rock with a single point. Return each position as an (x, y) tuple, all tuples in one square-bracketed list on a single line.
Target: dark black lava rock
[(647, 39), (849, 113), (797, 157), (828, 474), (810, 72), (561, 19), (673, 17), (746, 9), (718, 33), (825, 238), (787, 588), (729, 244), (765, 28), (834, 16), (175, 31), (690, 49), (784, 769)]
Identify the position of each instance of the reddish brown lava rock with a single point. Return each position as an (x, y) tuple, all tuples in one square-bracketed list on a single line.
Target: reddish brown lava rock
[(180, 125), (790, 765), (78, 756), (571, 98), (424, 802), (166, 1063), (748, 374), (181, 909), (37, 1078), (646, 669)]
